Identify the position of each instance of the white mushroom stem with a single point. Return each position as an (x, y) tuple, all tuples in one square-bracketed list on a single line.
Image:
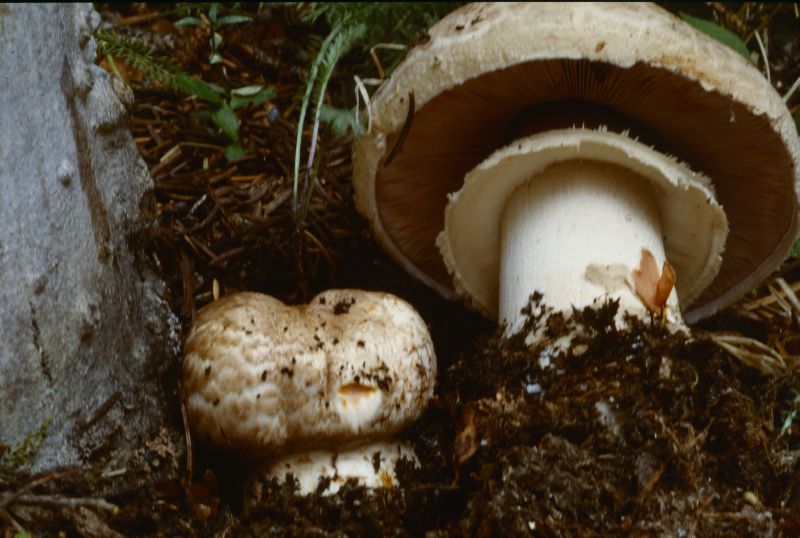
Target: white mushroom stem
[(582, 216), (573, 233), (371, 465)]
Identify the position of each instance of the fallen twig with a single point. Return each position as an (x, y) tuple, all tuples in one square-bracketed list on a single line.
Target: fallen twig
[(57, 500)]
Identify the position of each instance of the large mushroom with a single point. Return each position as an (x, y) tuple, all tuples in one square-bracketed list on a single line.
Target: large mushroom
[(575, 149), (316, 391)]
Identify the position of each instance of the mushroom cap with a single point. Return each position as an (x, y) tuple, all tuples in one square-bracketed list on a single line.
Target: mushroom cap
[(488, 67), (262, 378), (692, 222)]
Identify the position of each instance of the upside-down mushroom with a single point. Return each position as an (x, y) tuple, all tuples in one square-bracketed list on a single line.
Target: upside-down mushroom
[(568, 149)]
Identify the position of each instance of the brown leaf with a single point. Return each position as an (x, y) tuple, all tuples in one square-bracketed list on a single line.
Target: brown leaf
[(653, 287), (665, 284), (466, 442)]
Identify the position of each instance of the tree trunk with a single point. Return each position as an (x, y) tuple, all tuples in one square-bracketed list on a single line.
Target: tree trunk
[(85, 337)]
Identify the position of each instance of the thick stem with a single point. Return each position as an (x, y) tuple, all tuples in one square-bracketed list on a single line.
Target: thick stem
[(371, 465), (573, 217)]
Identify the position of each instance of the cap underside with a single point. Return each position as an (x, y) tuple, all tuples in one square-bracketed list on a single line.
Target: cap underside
[(692, 223), (751, 169)]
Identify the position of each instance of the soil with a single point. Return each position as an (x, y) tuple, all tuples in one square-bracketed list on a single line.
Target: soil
[(641, 432)]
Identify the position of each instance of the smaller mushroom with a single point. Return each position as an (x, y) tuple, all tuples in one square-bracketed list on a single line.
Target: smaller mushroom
[(316, 391)]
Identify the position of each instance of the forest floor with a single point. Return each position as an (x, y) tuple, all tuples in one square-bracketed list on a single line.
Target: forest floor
[(641, 433)]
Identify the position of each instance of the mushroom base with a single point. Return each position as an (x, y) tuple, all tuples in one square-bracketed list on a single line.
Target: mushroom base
[(371, 465), (575, 232)]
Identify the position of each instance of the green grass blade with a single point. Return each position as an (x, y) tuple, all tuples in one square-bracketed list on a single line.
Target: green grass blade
[(343, 42), (723, 35), (312, 76)]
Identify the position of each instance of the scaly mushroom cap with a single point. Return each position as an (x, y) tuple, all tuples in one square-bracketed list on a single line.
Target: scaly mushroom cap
[(262, 378), (489, 68)]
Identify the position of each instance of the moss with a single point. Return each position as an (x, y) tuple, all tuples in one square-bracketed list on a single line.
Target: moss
[(25, 451)]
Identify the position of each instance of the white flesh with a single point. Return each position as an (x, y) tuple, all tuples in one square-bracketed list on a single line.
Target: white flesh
[(356, 463), (574, 232)]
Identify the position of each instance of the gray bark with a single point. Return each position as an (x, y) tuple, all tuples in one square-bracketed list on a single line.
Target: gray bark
[(85, 337)]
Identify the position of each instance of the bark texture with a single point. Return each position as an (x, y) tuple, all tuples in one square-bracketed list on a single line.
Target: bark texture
[(85, 336)]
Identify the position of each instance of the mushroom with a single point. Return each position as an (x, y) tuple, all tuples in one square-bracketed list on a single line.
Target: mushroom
[(575, 149), (316, 391)]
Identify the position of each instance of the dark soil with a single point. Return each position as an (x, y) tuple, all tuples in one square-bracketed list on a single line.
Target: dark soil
[(639, 432)]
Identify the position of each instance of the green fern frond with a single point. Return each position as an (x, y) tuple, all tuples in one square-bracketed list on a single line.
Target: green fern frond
[(138, 55)]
